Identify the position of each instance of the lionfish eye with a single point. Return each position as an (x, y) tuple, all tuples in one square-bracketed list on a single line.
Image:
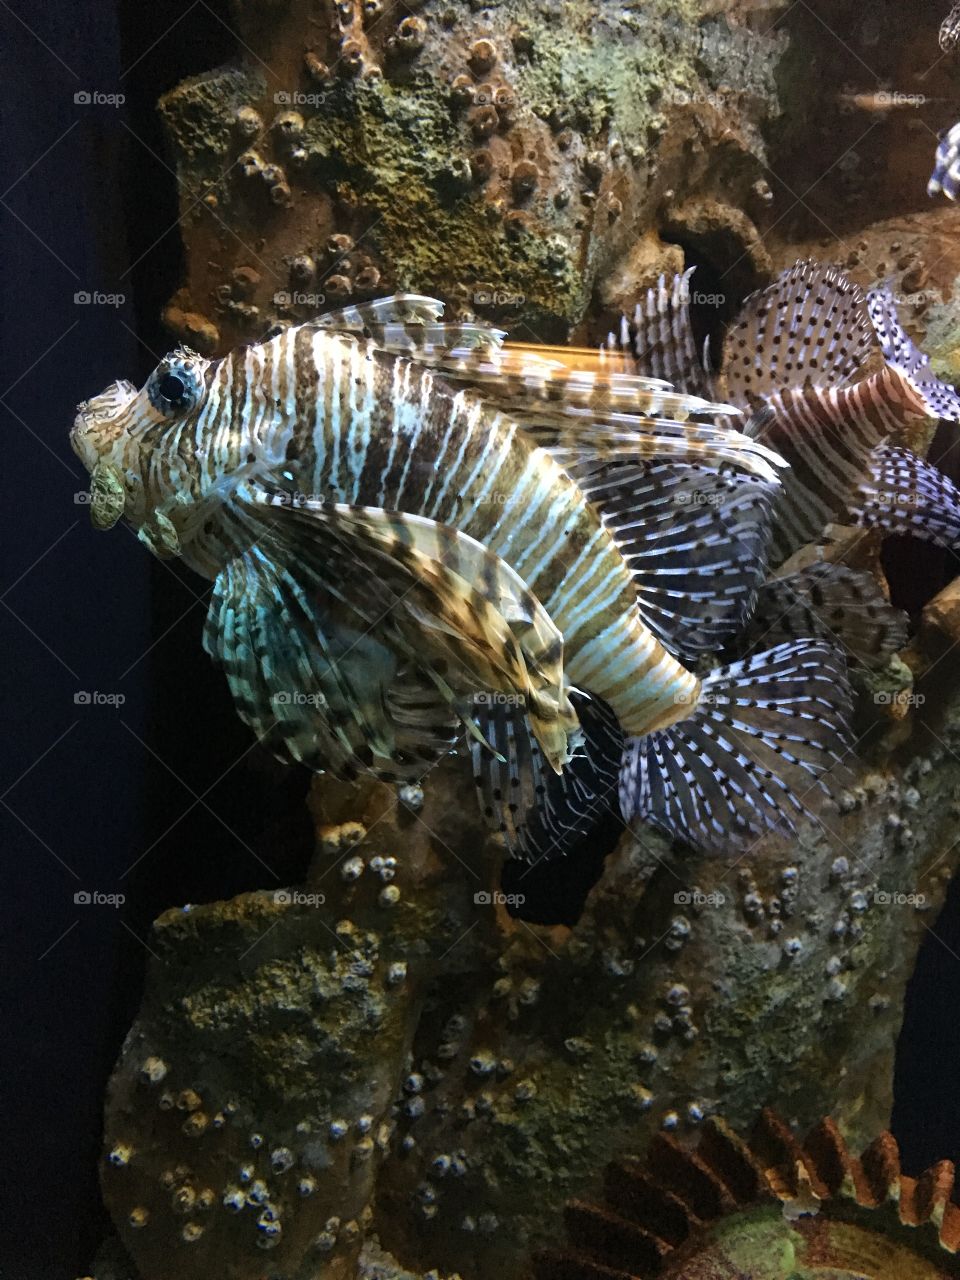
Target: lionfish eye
[(175, 386), (171, 388)]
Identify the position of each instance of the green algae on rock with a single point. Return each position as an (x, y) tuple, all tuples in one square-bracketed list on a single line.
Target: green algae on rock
[(499, 158)]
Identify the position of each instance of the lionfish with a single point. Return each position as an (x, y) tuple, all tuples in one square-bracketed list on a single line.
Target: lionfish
[(827, 376), (950, 29), (945, 178), (419, 536)]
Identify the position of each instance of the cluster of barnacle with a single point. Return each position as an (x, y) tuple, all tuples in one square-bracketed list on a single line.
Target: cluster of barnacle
[(263, 1186), (259, 1185), (243, 1173), (332, 274), (252, 163), (234, 297)]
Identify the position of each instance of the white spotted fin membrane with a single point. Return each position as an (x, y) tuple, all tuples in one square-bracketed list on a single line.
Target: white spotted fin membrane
[(945, 179), (828, 377), (421, 537)]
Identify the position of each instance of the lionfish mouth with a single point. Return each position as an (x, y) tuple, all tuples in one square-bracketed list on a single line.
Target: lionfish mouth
[(95, 427)]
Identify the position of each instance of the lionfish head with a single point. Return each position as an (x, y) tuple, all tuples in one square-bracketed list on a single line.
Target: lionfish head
[(109, 429)]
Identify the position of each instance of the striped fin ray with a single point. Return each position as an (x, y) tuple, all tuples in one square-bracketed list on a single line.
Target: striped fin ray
[(945, 179), (827, 435), (900, 351), (905, 494), (812, 323), (462, 615), (578, 445), (765, 733), (696, 541), (949, 33), (832, 602), (539, 813), (660, 337), (398, 308), (534, 378), (410, 325)]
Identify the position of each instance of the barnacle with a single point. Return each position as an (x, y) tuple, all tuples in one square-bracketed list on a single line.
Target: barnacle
[(768, 1207)]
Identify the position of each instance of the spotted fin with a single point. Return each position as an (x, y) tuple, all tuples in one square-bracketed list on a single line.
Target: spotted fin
[(945, 179), (833, 602), (307, 676), (828, 435), (900, 351), (435, 596), (950, 29), (766, 733), (905, 494), (696, 541), (660, 338), (541, 814), (811, 324)]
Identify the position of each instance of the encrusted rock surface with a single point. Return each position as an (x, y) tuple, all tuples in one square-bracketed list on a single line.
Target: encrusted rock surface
[(452, 1106), (501, 157), (253, 1102)]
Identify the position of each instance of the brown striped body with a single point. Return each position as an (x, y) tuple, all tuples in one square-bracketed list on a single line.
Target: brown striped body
[(333, 419)]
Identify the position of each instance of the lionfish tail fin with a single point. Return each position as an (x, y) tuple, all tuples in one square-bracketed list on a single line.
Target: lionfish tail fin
[(538, 813), (765, 736)]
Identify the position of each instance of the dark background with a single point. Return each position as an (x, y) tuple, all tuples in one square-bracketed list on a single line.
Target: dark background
[(88, 802), (86, 206)]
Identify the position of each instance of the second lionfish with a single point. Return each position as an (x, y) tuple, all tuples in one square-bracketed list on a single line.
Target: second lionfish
[(416, 533)]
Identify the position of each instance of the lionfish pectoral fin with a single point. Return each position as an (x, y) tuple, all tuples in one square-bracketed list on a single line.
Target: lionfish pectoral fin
[(159, 535), (901, 353), (696, 540), (312, 681), (107, 496), (580, 447), (540, 813), (828, 435), (765, 734), (832, 601), (441, 597), (810, 322), (945, 178), (906, 494)]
